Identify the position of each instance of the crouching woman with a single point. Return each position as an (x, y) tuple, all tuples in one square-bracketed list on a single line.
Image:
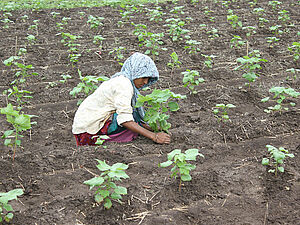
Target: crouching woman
[(111, 111)]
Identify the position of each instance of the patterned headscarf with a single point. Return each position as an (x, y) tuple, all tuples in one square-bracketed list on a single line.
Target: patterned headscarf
[(139, 66)]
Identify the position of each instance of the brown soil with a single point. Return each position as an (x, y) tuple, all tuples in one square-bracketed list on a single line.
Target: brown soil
[(229, 186)]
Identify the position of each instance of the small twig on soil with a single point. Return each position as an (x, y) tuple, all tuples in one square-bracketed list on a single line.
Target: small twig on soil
[(72, 166), (30, 134), (266, 213), (181, 209), (89, 171), (138, 199), (225, 139), (207, 202), (16, 46), (225, 199), (244, 130), (98, 55), (247, 48), (139, 215), (66, 114), (153, 196), (142, 219), (242, 166), (134, 146)]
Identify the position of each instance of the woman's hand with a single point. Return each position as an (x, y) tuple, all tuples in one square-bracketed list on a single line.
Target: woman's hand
[(162, 138)]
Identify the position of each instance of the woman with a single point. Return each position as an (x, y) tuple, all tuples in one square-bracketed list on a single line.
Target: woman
[(110, 109)]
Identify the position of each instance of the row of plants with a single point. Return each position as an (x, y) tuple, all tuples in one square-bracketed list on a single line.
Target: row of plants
[(158, 103)]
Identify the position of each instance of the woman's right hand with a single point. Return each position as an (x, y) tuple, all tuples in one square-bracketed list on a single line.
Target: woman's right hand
[(162, 138)]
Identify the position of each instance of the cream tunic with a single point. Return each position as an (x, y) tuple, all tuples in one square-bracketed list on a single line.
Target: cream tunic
[(111, 96)]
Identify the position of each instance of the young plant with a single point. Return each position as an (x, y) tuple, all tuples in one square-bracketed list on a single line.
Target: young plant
[(22, 71), (213, 33), (280, 96), (31, 39), (174, 61), (5, 208), (275, 4), (221, 111), (191, 79), (69, 41), (54, 14), (176, 30), (295, 50), (237, 42), (156, 14), (249, 64), (157, 104), (208, 60), (276, 158), (262, 21), (191, 46), (19, 95), (272, 41), (293, 72), (118, 54), (284, 16), (101, 139), (250, 30), (20, 122), (233, 20), (34, 27), (95, 21), (275, 29), (180, 166), (87, 85), (65, 77), (107, 190)]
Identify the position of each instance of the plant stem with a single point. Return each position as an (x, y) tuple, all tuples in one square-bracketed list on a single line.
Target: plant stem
[(179, 188)]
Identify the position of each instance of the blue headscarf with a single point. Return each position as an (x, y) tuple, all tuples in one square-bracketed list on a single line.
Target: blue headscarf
[(139, 66)]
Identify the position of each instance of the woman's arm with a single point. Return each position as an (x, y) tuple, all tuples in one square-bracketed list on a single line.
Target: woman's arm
[(161, 138)]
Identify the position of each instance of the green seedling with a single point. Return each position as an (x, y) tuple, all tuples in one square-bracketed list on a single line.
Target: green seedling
[(69, 41), (250, 30), (31, 39), (272, 41), (262, 21), (281, 94), (221, 112), (237, 42), (213, 33), (19, 95), (180, 166), (81, 14), (284, 16), (250, 64), (156, 14), (65, 77), (148, 39), (34, 26), (275, 4), (20, 122), (293, 72), (54, 14), (191, 46), (87, 85), (6, 22), (259, 11), (107, 190), (177, 10), (24, 18), (65, 20), (275, 29), (22, 52), (158, 103), (295, 50), (176, 30), (191, 79), (208, 60), (95, 21), (101, 139), (118, 54), (276, 158), (174, 61), (233, 20), (98, 39), (5, 208), (22, 71)]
